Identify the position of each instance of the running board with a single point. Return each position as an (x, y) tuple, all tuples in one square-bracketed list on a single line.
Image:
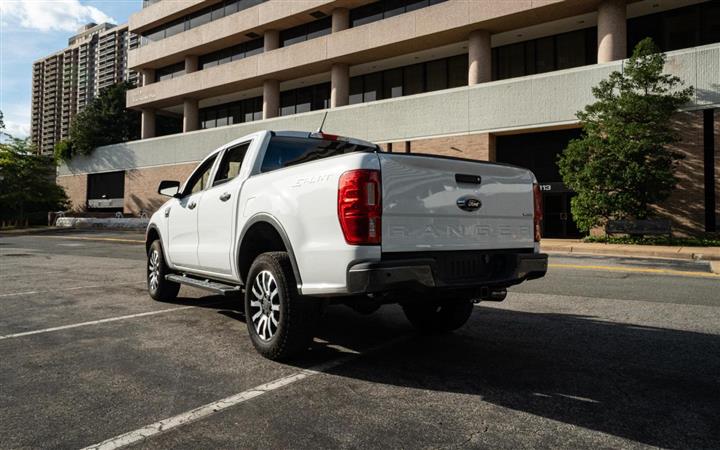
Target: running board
[(209, 285)]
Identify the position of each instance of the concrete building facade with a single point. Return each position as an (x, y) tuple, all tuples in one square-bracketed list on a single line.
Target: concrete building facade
[(483, 79), (64, 82)]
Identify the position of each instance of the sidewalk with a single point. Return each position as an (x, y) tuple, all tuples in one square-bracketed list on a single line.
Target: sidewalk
[(711, 254)]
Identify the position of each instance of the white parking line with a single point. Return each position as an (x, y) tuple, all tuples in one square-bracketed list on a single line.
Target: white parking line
[(70, 289), (94, 322), (210, 409)]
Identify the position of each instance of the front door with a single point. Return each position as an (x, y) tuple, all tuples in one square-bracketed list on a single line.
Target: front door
[(217, 214), (557, 217), (183, 218)]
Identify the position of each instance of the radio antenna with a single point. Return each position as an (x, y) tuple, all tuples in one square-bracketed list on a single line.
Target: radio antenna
[(322, 124)]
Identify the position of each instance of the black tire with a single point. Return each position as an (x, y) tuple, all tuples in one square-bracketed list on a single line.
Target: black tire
[(162, 290), (281, 325), (438, 317)]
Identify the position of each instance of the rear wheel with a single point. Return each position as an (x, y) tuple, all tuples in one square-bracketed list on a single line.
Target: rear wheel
[(158, 287), (280, 321), (438, 316)]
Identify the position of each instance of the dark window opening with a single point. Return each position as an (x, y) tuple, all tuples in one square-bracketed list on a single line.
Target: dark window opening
[(384, 9), (205, 15), (241, 111), (678, 28), (169, 72), (234, 53), (562, 51), (434, 75), (106, 191), (305, 99), (288, 151), (306, 31)]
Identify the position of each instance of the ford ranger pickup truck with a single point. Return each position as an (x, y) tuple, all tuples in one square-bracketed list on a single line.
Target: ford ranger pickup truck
[(293, 221)]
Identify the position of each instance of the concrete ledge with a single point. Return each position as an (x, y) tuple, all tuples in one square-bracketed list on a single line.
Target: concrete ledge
[(112, 223)]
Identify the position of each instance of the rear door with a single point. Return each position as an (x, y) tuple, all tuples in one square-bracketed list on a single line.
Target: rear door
[(182, 218), (434, 203), (218, 212)]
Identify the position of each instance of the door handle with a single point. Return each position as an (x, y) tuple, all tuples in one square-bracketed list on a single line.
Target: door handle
[(192, 205), (225, 197)]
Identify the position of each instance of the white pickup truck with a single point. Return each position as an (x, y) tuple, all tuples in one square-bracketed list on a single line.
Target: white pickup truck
[(297, 220)]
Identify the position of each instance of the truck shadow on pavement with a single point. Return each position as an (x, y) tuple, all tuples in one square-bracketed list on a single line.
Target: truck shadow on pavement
[(655, 386)]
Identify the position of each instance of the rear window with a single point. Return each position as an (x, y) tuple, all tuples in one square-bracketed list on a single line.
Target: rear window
[(289, 151)]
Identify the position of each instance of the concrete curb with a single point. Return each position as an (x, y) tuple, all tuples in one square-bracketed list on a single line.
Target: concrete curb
[(711, 254), (109, 223)]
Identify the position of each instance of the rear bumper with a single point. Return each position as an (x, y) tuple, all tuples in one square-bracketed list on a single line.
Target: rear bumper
[(447, 271)]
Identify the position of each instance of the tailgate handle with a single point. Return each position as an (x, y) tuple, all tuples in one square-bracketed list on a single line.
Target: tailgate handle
[(470, 179)]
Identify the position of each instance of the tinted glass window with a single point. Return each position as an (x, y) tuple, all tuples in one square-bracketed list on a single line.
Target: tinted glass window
[(570, 49), (356, 90), (373, 86), (230, 165), (436, 75), (393, 83), (289, 151), (414, 79), (200, 178)]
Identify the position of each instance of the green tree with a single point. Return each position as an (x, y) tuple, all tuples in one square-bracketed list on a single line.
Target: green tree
[(27, 182), (104, 121), (622, 164)]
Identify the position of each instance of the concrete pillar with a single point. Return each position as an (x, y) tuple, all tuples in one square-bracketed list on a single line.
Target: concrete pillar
[(339, 85), (147, 123), (148, 76), (271, 40), (271, 98), (340, 19), (479, 57), (191, 115), (191, 63), (612, 31)]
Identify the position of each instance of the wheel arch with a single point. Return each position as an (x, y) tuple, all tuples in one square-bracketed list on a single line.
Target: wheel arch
[(263, 233)]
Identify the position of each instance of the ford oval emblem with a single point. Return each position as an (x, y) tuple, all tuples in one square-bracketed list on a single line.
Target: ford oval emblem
[(468, 203)]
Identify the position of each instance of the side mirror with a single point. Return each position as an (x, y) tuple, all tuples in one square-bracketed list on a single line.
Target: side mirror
[(169, 188)]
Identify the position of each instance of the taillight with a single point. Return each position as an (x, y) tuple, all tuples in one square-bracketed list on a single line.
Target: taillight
[(538, 213), (359, 206)]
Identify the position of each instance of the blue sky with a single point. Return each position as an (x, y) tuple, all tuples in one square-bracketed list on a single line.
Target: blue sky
[(31, 29)]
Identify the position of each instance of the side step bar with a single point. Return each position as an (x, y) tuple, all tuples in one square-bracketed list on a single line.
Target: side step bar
[(209, 285)]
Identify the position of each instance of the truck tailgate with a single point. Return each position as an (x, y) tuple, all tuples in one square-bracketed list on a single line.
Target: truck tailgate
[(430, 203)]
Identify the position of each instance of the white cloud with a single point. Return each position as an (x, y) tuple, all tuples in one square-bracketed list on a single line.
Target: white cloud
[(49, 15), (17, 129)]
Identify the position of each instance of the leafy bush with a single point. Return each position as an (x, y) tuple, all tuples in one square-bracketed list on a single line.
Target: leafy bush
[(622, 165)]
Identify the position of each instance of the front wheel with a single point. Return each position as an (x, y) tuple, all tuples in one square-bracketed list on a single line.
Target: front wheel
[(280, 321), (158, 287), (438, 316)]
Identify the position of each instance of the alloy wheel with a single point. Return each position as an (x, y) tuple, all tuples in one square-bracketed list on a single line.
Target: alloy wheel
[(265, 305)]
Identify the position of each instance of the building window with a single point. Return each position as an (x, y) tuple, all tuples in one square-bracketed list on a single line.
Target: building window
[(169, 72), (562, 51), (424, 77), (231, 113), (386, 8), (678, 28), (233, 53), (311, 98), (196, 19), (306, 31)]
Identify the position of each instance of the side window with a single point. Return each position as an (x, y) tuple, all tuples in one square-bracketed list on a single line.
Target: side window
[(200, 178), (230, 165)]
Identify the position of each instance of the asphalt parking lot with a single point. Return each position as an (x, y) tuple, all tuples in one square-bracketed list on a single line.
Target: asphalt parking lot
[(603, 352)]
